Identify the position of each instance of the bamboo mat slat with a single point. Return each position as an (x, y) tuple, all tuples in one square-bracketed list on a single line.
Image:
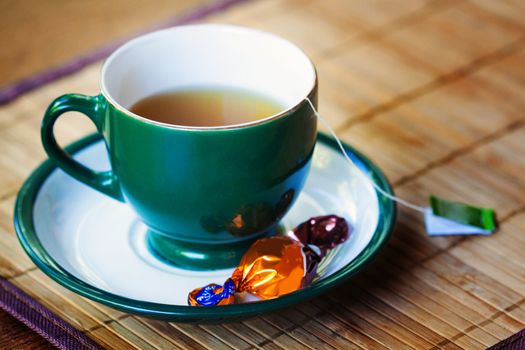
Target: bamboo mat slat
[(433, 129), (434, 92), (317, 26), (112, 340), (13, 260), (168, 331), (72, 29)]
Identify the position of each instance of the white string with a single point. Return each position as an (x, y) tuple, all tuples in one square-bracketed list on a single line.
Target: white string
[(357, 170)]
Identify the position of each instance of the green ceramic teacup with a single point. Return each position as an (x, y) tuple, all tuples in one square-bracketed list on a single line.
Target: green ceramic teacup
[(205, 193)]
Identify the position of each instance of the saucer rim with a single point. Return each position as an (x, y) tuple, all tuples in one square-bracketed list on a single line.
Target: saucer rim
[(28, 238)]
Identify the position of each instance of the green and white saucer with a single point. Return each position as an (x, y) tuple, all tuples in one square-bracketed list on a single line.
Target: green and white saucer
[(96, 246)]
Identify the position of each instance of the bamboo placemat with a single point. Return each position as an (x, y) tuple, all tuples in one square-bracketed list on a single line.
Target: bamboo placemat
[(434, 92)]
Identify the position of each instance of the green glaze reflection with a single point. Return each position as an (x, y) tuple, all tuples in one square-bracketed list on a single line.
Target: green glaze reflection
[(197, 188)]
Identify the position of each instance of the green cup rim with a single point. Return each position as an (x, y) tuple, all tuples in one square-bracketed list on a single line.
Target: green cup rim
[(24, 226)]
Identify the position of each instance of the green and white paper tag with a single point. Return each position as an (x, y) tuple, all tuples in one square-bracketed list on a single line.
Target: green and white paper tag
[(453, 218)]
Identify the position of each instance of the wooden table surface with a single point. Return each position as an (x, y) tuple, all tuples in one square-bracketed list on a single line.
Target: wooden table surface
[(434, 92)]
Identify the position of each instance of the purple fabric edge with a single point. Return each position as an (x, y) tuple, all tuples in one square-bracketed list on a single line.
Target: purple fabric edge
[(514, 342), (14, 90), (41, 320)]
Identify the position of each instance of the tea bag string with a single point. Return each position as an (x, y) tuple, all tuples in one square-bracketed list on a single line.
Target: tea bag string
[(357, 170)]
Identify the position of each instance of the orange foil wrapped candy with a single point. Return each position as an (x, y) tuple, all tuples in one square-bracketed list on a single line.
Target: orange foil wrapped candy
[(278, 265), (271, 267)]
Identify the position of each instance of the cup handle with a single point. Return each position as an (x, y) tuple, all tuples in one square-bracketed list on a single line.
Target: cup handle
[(91, 106)]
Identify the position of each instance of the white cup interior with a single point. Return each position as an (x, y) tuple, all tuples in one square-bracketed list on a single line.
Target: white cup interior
[(208, 55)]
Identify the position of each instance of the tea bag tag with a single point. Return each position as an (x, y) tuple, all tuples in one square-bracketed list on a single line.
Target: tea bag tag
[(451, 218), (443, 217), (441, 226)]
